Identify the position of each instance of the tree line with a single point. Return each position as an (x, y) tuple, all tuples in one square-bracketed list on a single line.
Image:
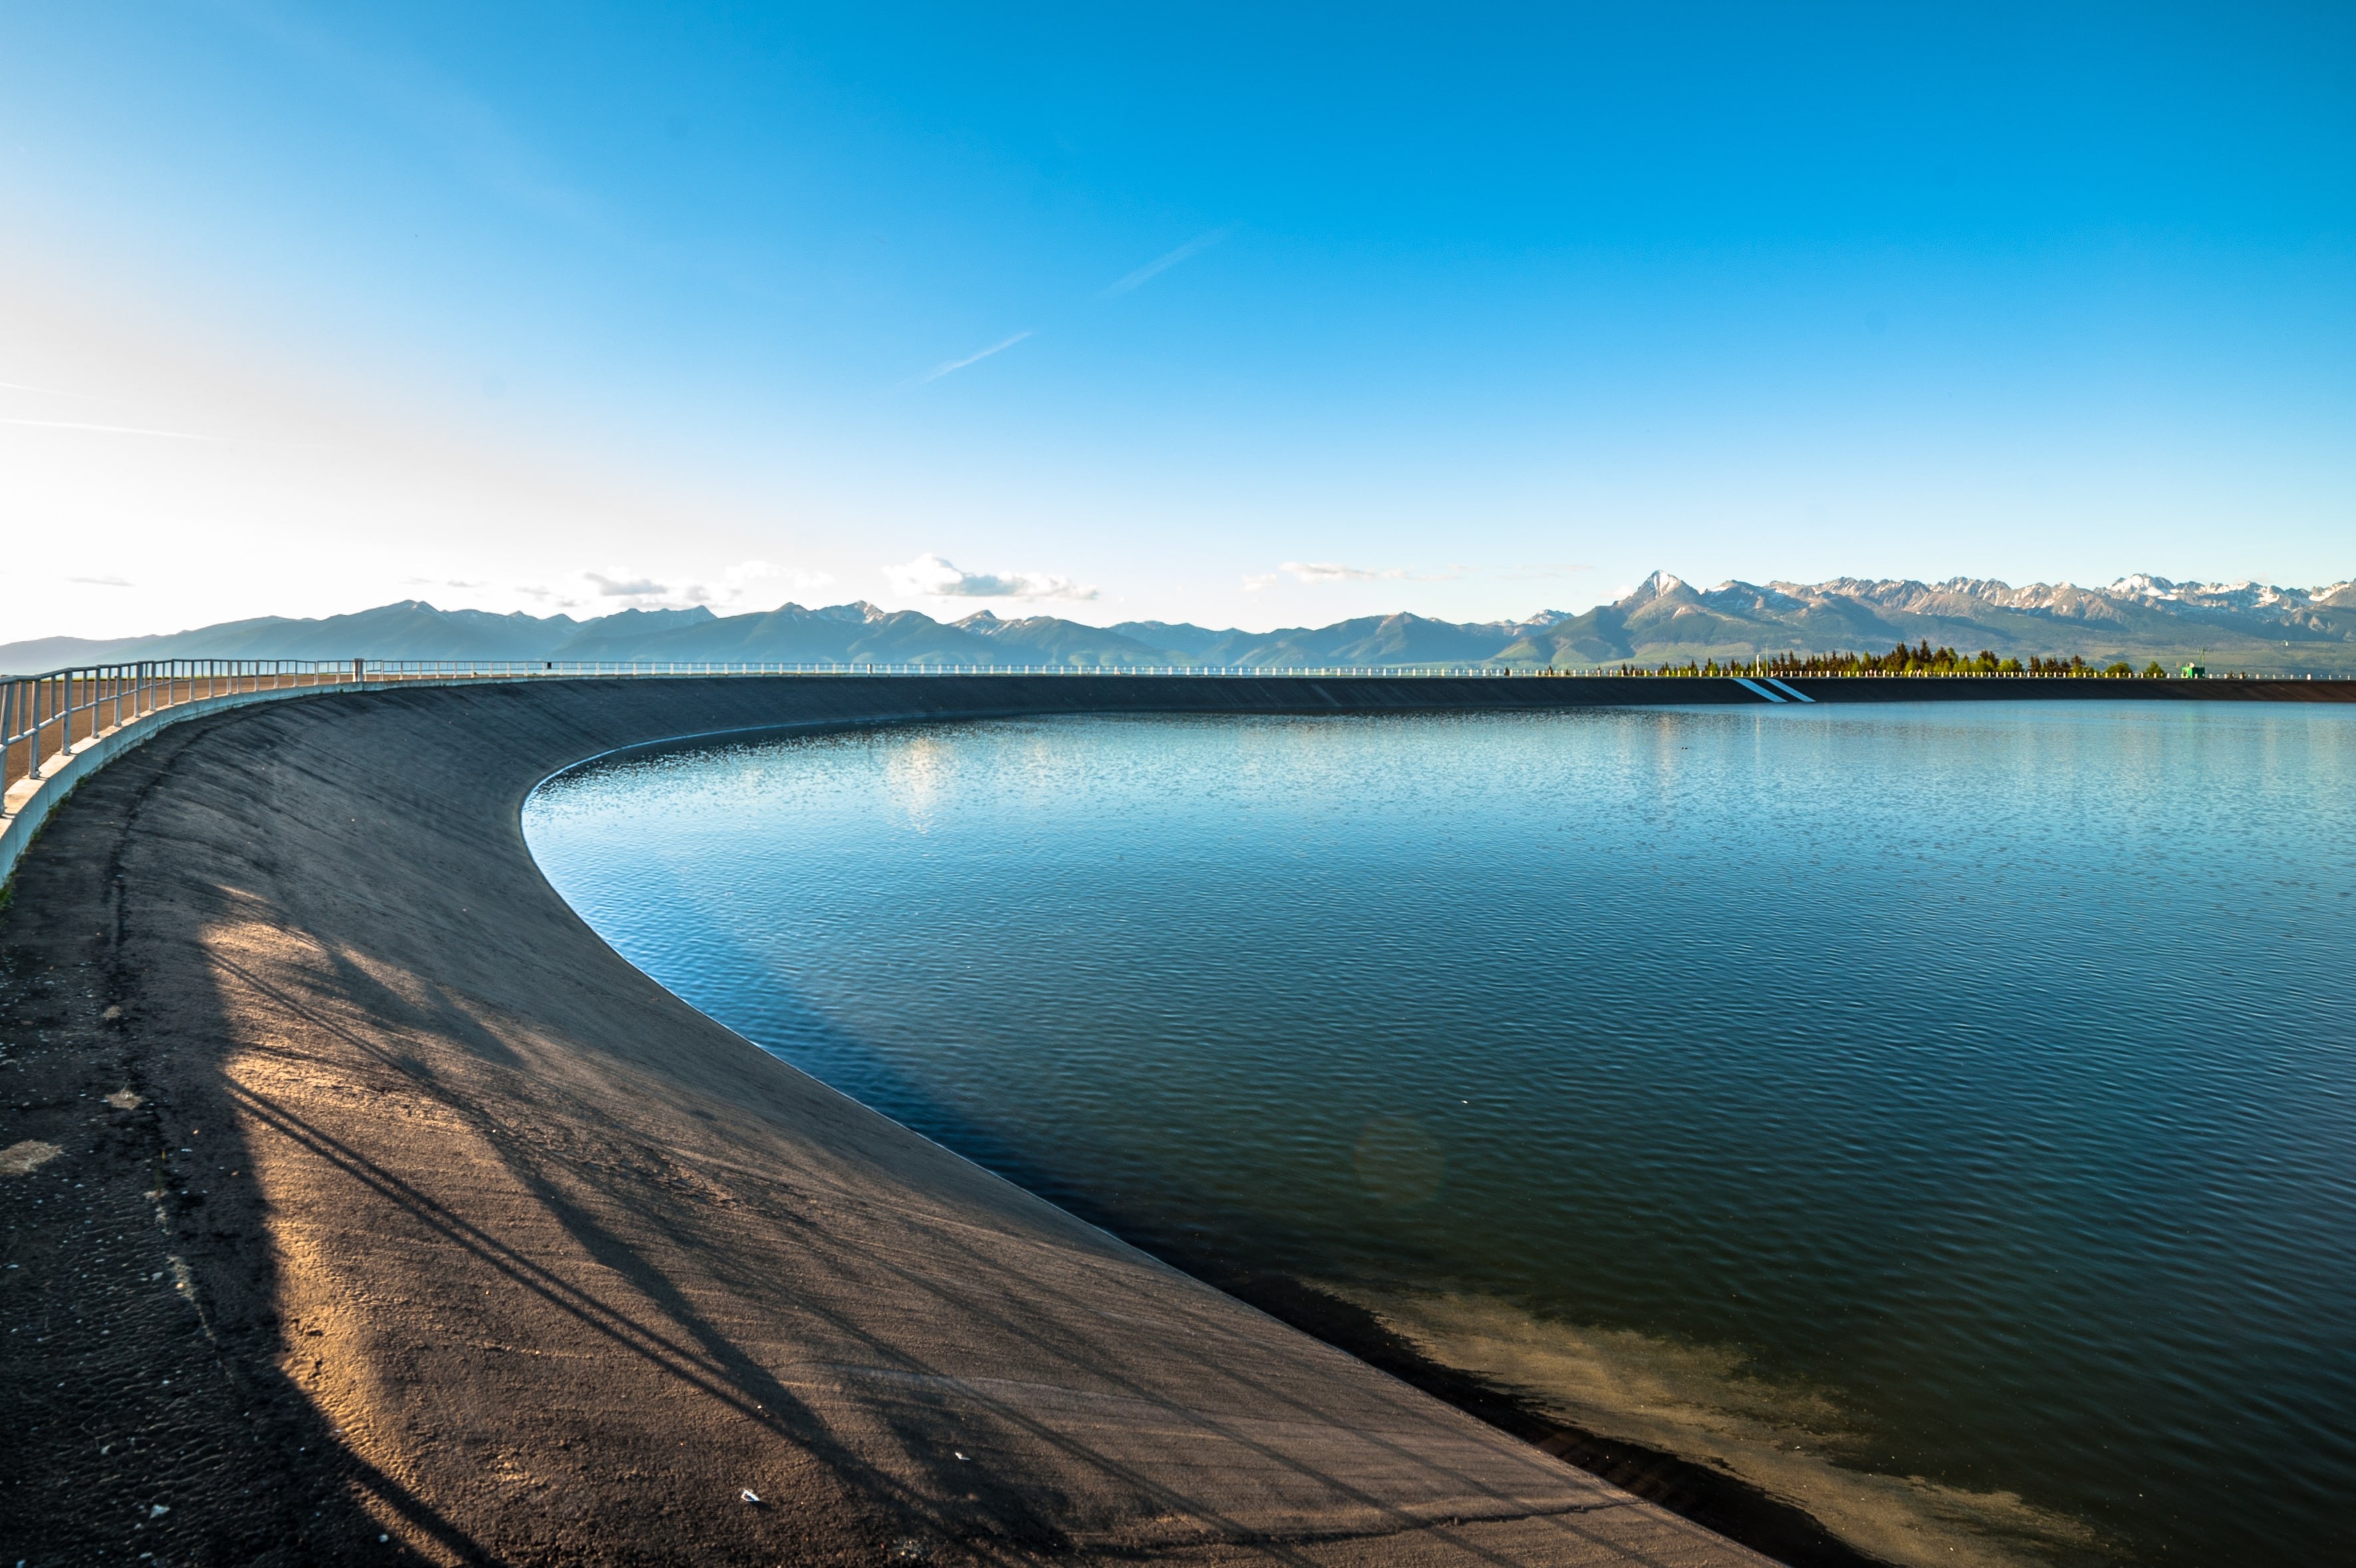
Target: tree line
[(1923, 659)]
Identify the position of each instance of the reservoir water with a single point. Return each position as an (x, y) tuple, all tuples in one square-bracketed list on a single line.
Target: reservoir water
[(1941, 1115)]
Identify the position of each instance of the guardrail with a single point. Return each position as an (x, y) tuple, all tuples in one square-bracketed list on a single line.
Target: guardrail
[(48, 720), (518, 670)]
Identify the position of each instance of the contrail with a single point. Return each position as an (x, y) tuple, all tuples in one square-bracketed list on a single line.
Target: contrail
[(938, 372), (1192, 248), (45, 391), (109, 429)]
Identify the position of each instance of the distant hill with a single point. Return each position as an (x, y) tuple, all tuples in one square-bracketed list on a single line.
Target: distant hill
[(410, 629), (838, 634), (1044, 639), (1173, 637), (1371, 640), (2240, 626), (2243, 626), (613, 636)]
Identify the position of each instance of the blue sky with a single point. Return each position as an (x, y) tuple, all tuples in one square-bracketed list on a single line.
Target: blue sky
[(1242, 313)]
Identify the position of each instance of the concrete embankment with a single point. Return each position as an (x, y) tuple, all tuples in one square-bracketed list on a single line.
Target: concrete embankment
[(467, 1236), (365, 1206)]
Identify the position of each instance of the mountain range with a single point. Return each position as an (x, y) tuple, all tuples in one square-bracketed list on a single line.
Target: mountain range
[(2242, 626)]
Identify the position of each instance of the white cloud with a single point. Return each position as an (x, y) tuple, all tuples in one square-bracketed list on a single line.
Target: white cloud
[(746, 575), (932, 577), (743, 580), (1257, 581), (1317, 574), (102, 582), (727, 594), (736, 581), (623, 585)]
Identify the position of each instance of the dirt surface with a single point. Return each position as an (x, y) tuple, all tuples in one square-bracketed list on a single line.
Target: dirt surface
[(141, 1369), (394, 1218)]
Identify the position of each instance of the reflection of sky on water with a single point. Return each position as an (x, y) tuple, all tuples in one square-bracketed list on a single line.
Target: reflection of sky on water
[(1984, 1069)]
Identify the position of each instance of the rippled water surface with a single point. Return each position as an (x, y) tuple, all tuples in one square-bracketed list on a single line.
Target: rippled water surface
[(1941, 1115)]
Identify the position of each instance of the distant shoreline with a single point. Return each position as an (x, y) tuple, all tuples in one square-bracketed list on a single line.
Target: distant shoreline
[(2261, 630)]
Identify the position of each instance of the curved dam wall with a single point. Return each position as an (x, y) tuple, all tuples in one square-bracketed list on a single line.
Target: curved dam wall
[(31, 802), (364, 1206), (382, 1199)]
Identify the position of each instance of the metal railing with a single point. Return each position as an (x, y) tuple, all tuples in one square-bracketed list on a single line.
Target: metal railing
[(518, 670), (44, 719)]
